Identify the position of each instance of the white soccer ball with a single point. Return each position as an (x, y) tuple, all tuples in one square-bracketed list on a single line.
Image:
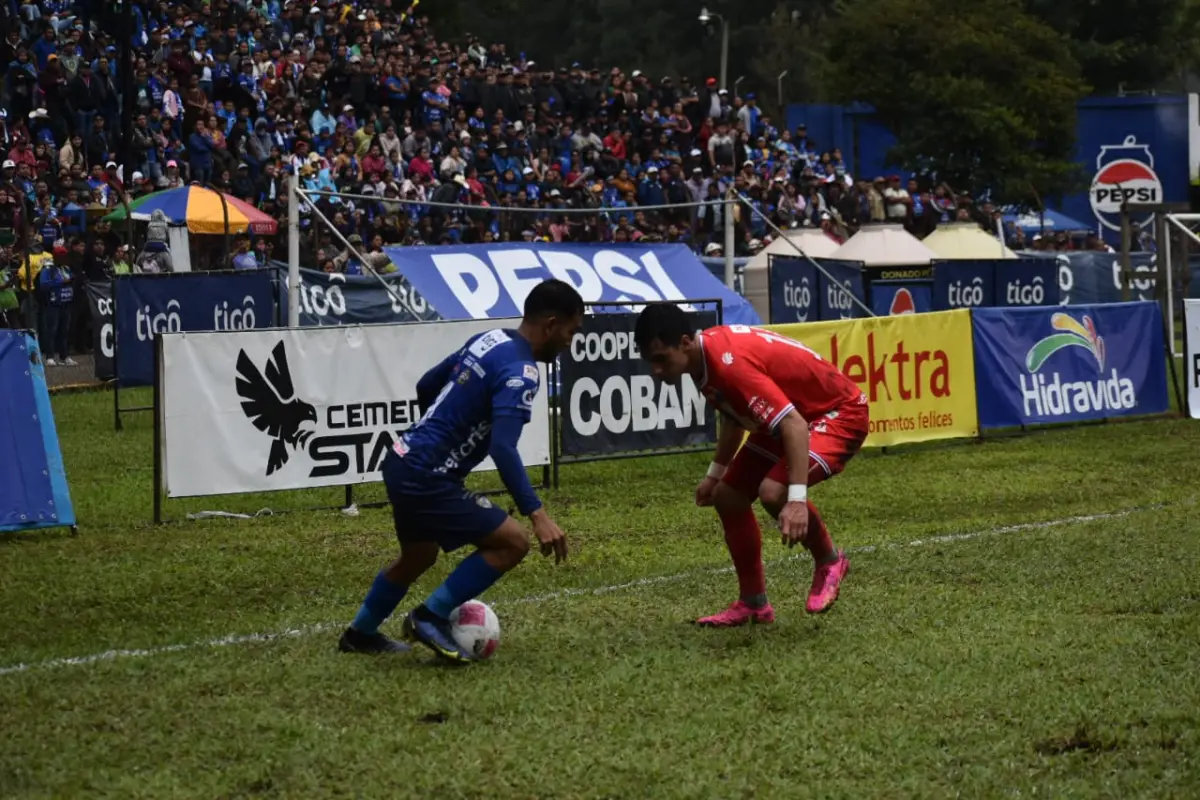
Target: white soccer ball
[(476, 629)]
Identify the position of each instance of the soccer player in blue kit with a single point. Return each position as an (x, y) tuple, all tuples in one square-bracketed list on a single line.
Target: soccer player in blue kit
[(475, 403)]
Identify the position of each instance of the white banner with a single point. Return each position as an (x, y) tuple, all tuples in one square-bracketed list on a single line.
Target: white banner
[(1191, 349), (335, 398)]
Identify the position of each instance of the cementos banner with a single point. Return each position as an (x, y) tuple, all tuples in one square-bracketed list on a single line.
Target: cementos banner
[(917, 370), (331, 298), (1043, 365), (493, 280), (148, 305)]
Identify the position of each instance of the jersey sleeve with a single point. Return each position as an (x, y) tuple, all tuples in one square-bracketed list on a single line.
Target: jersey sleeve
[(516, 387), (751, 389)]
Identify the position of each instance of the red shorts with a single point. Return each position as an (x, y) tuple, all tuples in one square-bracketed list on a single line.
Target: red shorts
[(832, 440)]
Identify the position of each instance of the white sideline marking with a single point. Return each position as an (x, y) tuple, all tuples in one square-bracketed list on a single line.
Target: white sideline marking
[(251, 638)]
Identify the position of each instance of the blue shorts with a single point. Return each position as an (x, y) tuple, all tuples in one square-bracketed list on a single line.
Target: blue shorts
[(433, 508)]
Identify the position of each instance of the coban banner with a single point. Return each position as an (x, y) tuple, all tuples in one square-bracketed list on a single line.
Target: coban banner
[(1041, 365), (492, 280), (104, 341), (150, 305), (917, 370), (1191, 314), (336, 299), (253, 411), (613, 403)]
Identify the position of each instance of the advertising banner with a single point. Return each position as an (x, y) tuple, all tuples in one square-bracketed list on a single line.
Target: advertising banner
[(1044, 365), (253, 411), (104, 339), (965, 283), (793, 283), (337, 299), (614, 405), (1026, 282), (834, 297), (1191, 368), (917, 370), (479, 281), (150, 305), (892, 298)]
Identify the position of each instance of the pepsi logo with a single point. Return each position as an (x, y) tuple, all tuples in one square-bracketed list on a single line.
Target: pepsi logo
[(902, 303), (1126, 180)]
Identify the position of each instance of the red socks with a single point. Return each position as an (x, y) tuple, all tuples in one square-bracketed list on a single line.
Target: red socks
[(817, 541), (744, 540)]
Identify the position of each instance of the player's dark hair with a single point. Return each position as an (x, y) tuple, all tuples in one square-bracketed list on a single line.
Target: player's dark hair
[(666, 322), (553, 298)]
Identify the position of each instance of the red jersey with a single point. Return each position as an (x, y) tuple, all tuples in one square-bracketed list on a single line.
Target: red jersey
[(757, 376)]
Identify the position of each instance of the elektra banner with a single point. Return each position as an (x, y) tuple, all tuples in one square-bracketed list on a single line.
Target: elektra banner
[(613, 403), (1191, 368), (917, 371), (150, 305), (104, 341), (255, 411), (479, 281), (1043, 365), (338, 299)]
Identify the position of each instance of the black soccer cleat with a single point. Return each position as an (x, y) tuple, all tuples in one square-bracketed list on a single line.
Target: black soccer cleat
[(353, 641)]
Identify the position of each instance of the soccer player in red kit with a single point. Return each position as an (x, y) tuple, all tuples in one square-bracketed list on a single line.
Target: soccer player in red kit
[(805, 418)]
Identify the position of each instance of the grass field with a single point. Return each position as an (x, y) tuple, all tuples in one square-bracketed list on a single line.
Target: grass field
[(1022, 618)]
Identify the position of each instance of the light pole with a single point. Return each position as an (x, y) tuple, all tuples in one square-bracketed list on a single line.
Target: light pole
[(705, 17)]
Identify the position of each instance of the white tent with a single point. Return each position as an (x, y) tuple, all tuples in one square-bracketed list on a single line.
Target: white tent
[(966, 240), (885, 245), (756, 283)]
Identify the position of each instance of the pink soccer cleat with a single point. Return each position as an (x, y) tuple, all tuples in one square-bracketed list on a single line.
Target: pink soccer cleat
[(827, 579), (739, 614)]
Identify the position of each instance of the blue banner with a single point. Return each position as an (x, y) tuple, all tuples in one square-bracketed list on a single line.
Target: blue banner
[(964, 284), (793, 289), (1044, 365), (891, 298), (1026, 282), (331, 298), (1086, 277), (147, 305), (482, 281), (835, 298), (33, 484)]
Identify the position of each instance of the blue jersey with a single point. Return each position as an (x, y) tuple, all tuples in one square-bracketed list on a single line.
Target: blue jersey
[(492, 376)]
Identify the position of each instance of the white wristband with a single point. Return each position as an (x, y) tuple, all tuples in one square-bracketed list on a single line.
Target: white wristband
[(797, 493), (716, 470)]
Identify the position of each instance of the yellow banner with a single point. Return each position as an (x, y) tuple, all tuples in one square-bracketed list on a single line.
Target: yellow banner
[(918, 371)]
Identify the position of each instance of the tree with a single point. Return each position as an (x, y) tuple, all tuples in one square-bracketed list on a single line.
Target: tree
[(982, 94)]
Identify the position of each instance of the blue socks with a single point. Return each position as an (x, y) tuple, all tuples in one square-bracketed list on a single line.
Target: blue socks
[(469, 579), (381, 600)]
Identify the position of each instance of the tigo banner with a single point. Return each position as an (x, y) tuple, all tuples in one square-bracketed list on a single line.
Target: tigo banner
[(835, 298), (1191, 326), (492, 280), (1026, 282), (253, 411), (1043, 365), (917, 370), (150, 305), (338, 299), (793, 285), (614, 405), (964, 284)]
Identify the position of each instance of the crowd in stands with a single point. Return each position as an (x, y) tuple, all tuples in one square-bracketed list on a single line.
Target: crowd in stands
[(362, 99)]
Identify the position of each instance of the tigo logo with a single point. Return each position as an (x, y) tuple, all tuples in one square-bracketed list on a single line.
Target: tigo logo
[(1047, 394)]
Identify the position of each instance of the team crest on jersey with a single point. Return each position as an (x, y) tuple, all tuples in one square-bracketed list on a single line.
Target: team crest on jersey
[(482, 501), (514, 383), (464, 375), (531, 372), (727, 359)]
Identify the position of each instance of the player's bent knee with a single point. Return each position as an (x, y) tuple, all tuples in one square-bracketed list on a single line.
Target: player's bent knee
[(773, 495), (727, 499), (507, 546)]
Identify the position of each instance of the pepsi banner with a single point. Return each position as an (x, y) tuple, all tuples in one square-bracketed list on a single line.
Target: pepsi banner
[(1026, 282), (892, 298), (964, 284), (104, 342), (614, 404), (332, 298), (835, 298), (1046, 365), (149, 305), (483, 281), (793, 286)]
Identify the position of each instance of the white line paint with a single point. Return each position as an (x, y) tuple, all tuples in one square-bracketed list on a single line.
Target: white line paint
[(641, 583)]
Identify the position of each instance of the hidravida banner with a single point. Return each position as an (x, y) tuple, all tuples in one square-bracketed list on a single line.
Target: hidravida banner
[(917, 370), (261, 410)]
